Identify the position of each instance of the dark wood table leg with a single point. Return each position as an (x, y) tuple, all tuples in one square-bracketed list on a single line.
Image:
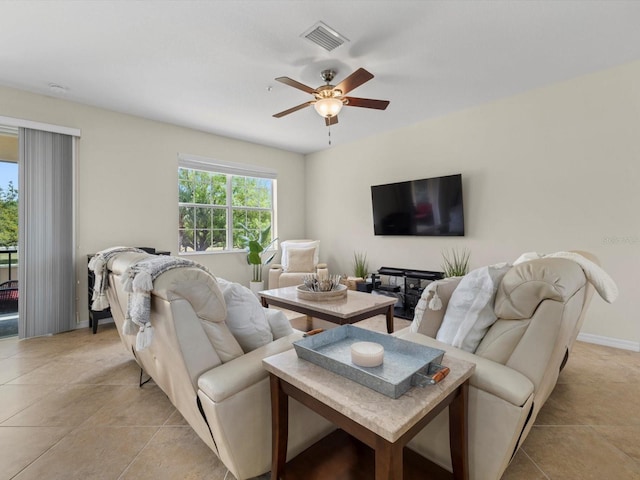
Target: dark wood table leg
[(279, 428), (390, 319), (388, 460), (458, 433), (264, 302)]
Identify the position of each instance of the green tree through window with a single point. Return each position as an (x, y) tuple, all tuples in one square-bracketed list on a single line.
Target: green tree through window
[(8, 216), (214, 207)]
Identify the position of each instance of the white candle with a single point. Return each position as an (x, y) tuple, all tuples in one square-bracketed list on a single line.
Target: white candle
[(367, 354), (323, 274)]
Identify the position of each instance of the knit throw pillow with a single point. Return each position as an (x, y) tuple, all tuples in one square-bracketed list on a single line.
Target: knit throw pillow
[(300, 259)]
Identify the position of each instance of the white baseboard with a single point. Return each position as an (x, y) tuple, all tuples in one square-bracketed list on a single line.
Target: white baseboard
[(85, 323), (609, 342)]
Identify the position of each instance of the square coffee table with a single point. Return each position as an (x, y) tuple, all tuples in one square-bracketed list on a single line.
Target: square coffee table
[(354, 307), (382, 423)]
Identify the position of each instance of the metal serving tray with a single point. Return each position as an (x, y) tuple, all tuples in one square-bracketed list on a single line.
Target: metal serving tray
[(405, 364)]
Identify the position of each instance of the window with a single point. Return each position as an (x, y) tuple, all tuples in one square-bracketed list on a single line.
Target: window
[(220, 203)]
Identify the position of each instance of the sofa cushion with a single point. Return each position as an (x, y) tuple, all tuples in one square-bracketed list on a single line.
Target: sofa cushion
[(222, 340), (529, 283), (199, 288), (300, 259), (245, 316), (470, 311), (294, 244), (278, 322)]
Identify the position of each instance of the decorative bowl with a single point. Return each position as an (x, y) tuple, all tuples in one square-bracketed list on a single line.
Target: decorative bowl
[(339, 292)]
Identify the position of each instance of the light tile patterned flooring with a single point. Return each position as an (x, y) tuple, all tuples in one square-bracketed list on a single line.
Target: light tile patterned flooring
[(70, 408)]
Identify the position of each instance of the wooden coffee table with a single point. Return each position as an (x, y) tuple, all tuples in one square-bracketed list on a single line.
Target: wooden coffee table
[(382, 423), (354, 307)]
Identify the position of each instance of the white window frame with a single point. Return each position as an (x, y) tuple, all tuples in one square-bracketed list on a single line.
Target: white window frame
[(196, 162)]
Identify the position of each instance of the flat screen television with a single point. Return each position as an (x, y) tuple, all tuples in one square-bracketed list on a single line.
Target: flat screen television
[(429, 207)]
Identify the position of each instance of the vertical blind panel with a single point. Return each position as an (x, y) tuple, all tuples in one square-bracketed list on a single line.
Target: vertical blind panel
[(46, 271)]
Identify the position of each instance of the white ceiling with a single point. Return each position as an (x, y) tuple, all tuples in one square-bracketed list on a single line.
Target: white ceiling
[(208, 65)]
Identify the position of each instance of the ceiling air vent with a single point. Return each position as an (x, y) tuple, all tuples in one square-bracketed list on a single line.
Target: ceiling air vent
[(324, 36)]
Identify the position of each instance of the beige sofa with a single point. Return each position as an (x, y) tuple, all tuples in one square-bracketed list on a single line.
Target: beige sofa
[(222, 392), (540, 306)]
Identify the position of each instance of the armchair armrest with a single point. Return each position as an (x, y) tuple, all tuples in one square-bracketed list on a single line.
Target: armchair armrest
[(499, 380), (274, 275), (240, 373)]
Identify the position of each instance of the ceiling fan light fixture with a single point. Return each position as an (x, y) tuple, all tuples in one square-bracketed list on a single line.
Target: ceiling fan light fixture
[(328, 107)]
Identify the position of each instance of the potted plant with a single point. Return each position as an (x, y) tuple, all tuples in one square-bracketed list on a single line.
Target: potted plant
[(256, 246), (455, 263), (360, 265), (360, 270)]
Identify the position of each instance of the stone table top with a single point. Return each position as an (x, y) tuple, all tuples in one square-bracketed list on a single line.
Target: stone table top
[(387, 417), (355, 303)]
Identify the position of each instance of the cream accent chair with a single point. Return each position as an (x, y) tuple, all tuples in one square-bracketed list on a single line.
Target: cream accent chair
[(223, 393), (298, 258), (540, 307)]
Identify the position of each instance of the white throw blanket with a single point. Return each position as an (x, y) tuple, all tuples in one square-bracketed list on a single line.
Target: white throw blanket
[(138, 281), (601, 281), (98, 264)]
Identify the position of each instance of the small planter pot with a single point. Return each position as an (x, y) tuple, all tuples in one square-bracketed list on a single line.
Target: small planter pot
[(256, 287)]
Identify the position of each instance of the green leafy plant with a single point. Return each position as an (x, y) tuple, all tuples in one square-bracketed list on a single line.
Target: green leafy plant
[(9, 216), (360, 265), (455, 263), (256, 246)]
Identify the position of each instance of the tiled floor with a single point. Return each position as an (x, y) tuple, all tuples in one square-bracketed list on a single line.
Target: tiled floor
[(70, 408)]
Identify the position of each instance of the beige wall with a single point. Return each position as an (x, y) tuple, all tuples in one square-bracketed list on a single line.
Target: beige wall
[(127, 180), (552, 169), (9, 148)]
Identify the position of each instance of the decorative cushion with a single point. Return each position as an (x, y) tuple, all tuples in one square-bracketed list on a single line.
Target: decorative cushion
[(279, 323), (245, 316), (287, 244), (426, 320), (470, 311), (300, 259)]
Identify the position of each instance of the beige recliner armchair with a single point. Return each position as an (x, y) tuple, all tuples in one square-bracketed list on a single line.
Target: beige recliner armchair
[(220, 390), (298, 258), (540, 306)]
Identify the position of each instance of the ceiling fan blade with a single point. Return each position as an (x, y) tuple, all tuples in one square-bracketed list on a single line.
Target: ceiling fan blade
[(366, 103), (354, 80), (293, 109), (295, 84), (328, 121)]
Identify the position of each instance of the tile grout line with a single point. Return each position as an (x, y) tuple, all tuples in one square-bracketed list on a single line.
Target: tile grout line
[(611, 445), (535, 464), (124, 471), (46, 450)]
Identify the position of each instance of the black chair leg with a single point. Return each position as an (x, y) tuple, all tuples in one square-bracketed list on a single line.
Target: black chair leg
[(140, 382)]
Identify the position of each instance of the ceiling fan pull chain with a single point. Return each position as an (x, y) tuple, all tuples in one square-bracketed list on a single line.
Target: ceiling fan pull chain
[(329, 128)]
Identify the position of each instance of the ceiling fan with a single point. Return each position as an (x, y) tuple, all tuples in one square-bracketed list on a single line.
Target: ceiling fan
[(330, 99)]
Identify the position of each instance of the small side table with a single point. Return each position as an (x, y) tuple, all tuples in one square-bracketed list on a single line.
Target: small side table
[(384, 424)]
